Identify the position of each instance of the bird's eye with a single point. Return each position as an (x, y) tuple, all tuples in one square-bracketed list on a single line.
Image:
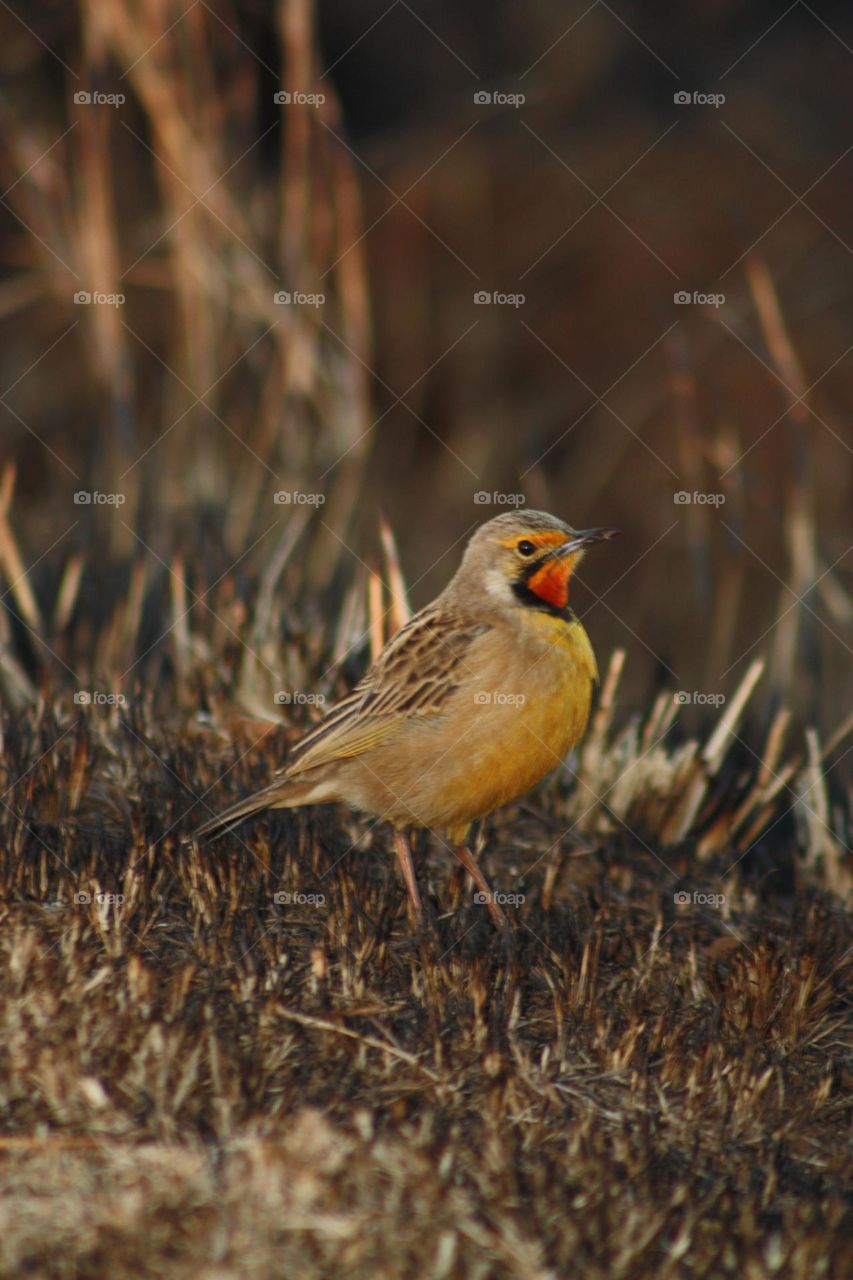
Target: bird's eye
[(525, 547)]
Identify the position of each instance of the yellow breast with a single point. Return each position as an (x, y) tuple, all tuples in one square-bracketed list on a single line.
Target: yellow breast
[(569, 638), (524, 701), (536, 711)]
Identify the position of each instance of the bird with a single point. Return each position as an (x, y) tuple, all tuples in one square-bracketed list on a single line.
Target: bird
[(469, 704)]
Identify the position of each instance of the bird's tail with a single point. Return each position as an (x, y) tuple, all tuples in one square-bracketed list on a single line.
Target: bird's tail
[(282, 794)]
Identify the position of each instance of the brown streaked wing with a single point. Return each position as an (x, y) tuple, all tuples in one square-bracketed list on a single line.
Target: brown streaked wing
[(413, 676)]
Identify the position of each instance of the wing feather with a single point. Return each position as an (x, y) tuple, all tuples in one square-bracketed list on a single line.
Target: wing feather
[(413, 676)]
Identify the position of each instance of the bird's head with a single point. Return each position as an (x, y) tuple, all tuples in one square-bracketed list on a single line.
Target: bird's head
[(525, 559)]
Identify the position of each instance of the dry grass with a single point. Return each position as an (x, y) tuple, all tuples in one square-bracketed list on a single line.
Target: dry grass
[(200, 1078)]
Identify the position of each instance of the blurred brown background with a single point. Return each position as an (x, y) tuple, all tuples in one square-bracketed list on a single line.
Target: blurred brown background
[(146, 156)]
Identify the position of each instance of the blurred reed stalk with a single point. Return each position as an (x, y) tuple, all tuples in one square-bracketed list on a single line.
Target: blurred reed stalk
[(180, 202)]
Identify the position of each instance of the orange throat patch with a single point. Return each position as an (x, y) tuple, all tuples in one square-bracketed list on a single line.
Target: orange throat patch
[(550, 583)]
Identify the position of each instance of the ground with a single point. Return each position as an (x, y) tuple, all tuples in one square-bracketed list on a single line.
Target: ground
[(252, 1065)]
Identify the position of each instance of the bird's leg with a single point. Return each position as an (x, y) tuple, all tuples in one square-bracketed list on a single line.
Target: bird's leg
[(473, 869), (407, 866), (499, 919)]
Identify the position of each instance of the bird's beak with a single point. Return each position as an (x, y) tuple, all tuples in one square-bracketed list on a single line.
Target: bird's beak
[(584, 538)]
